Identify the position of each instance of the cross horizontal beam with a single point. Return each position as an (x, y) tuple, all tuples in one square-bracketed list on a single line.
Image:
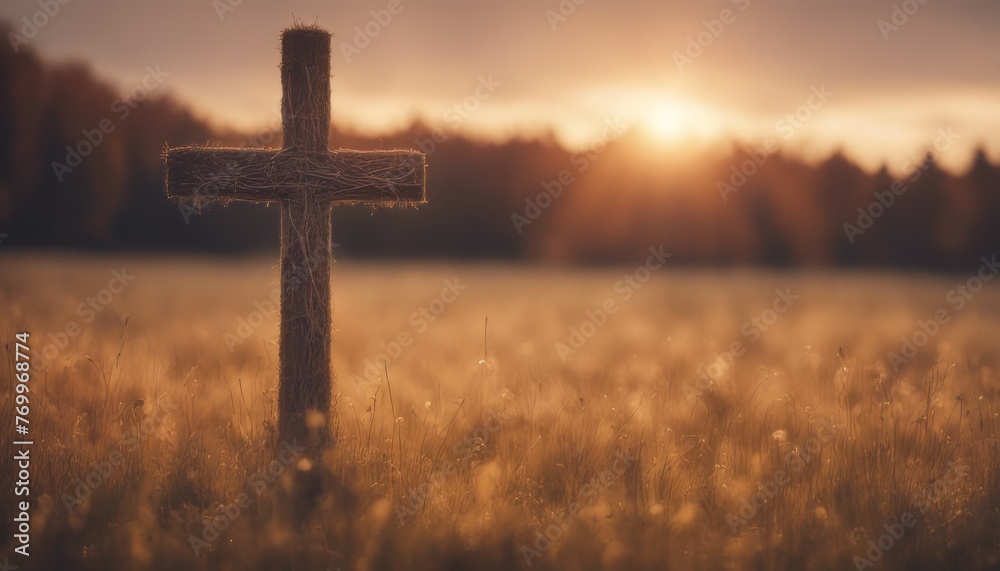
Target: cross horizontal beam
[(266, 175)]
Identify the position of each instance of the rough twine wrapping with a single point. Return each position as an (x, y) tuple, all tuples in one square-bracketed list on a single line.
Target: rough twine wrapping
[(306, 178)]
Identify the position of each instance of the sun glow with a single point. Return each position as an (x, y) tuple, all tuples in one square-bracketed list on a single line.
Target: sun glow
[(668, 122)]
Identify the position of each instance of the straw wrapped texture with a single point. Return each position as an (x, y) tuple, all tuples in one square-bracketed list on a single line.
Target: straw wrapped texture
[(259, 175)]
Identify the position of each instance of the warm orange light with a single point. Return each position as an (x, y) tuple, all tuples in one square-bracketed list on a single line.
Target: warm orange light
[(673, 119), (668, 122)]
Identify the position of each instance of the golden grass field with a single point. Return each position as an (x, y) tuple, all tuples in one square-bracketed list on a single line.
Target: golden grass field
[(647, 448)]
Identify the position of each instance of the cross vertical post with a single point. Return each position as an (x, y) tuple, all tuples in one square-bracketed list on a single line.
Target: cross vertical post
[(304, 389)]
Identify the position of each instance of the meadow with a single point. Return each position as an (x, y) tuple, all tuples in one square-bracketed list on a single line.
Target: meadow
[(503, 416)]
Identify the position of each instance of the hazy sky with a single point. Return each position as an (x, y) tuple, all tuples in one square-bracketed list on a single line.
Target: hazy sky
[(892, 89)]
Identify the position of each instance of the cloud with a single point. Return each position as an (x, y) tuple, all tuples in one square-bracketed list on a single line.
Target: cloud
[(429, 53)]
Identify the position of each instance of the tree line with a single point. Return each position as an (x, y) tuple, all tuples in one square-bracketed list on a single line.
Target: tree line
[(81, 167)]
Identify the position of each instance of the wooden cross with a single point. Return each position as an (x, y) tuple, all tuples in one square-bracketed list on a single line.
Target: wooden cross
[(306, 178)]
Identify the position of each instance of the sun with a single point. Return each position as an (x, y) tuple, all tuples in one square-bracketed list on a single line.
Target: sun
[(674, 120), (667, 122)]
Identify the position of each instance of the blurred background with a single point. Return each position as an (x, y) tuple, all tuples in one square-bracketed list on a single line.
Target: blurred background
[(731, 132)]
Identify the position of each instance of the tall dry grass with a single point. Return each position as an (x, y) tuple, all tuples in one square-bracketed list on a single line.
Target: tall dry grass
[(490, 451)]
